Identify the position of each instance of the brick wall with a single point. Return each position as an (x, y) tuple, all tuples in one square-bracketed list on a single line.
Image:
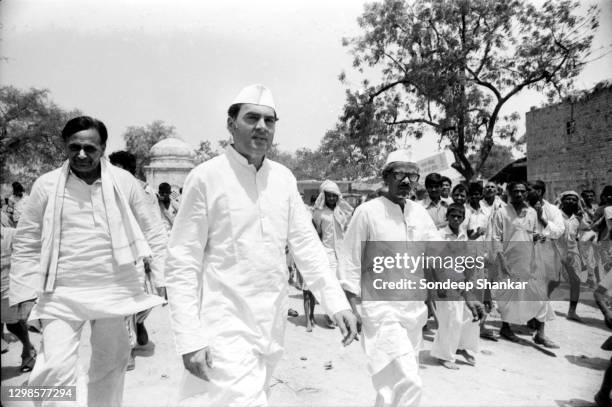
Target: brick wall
[(576, 159)]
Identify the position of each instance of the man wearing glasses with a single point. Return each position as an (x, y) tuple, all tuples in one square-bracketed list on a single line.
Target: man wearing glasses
[(226, 270), (391, 329)]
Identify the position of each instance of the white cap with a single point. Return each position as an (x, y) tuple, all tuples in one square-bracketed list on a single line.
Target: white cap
[(256, 94), (402, 155)]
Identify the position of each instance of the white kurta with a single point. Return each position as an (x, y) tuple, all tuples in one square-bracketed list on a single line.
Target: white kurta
[(547, 257), (456, 330), (89, 283), (515, 232), (391, 329), (227, 274), (331, 234)]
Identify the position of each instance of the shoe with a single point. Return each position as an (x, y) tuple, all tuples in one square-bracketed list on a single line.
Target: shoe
[(574, 317), (132, 362), (509, 335), (547, 343), (292, 313), (28, 361), (532, 324), (142, 336)]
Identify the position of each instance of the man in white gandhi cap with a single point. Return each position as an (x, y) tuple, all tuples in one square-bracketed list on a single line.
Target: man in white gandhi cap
[(391, 329), (226, 270)]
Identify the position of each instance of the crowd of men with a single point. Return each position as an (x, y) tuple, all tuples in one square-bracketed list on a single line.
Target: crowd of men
[(92, 243)]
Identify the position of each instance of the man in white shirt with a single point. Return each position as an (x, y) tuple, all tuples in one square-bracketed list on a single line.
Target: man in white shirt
[(491, 200), (168, 207), (226, 271), (83, 230), (391, 329), (458, 329), (436, 207), (330, 217)]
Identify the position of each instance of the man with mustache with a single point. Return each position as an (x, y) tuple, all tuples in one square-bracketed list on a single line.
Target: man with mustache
[(391, 329), (85, 228), (226, 271)]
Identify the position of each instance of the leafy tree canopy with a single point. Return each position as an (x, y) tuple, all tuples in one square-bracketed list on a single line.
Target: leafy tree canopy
[(450, 66), (30, 134)]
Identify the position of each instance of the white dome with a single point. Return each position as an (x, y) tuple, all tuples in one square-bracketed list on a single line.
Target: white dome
[(173, 147)]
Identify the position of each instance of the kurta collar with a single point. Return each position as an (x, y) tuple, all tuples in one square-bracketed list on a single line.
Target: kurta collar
[(234, 155)]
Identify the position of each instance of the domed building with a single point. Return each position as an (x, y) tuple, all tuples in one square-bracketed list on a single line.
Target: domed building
[(171, 161)]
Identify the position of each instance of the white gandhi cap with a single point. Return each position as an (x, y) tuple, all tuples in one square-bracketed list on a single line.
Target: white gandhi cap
[(404, 156), (256, 94)]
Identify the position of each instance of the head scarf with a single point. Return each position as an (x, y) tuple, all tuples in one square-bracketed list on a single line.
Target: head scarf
[(342, 211), (581, 203)]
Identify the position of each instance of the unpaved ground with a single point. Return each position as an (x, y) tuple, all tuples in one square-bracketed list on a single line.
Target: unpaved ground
[(506, 374)]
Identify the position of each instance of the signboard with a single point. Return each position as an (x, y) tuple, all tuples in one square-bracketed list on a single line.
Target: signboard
[(435, 163)]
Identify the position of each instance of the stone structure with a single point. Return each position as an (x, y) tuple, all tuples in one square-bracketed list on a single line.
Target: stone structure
[(171, 161), (569, 144)]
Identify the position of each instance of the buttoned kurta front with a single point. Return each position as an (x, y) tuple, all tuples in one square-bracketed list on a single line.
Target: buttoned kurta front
[(381, 220), (226, 270)]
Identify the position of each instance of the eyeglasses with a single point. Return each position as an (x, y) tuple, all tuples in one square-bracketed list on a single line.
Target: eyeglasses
[(76, 148), (400, 176)]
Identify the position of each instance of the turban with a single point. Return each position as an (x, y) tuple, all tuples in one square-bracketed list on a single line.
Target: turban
[(342, 211)]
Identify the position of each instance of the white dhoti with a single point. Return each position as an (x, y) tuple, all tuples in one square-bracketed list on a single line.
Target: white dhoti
[(240, 376), (56, 364), (455, 330), (333, 261), (392, 349)]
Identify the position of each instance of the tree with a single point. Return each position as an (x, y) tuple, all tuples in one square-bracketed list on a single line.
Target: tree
[(310, 164), (499, 156), (140, 139), (450, 66), (205, 152), (30, 134)]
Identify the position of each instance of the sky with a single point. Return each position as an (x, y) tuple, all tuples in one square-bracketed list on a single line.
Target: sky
[(129, 63)]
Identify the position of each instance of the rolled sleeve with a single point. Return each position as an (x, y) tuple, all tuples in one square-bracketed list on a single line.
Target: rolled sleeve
[(184, 262)]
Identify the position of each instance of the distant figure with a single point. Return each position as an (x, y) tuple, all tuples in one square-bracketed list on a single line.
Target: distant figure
[(330, 217), (168, 207), (446, 194), (17, 202)]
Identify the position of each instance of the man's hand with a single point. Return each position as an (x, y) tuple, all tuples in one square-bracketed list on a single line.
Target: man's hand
[(198, 362), (347, 322), (477, 309)]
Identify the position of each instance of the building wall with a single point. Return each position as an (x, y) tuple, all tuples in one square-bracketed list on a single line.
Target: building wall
[(569, 144)]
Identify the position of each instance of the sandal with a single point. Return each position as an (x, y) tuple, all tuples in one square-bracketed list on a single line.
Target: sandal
[(28, 361)]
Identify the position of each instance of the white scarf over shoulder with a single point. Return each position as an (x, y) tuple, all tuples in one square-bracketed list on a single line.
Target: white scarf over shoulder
[(127, 240)]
